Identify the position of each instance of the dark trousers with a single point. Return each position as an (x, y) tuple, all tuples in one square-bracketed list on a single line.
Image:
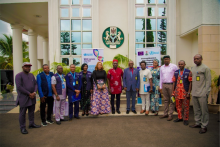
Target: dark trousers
[(131, 94), (76, 109), (49, 102), (117, 101), (22, 116)]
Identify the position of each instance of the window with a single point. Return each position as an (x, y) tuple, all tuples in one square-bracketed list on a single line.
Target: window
[(75, 29), (151, 24)]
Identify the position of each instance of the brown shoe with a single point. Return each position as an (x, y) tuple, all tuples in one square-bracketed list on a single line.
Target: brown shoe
[(147, 112), (169, 118), (142, 111), (195, 126), (202, 130), (164, 116), (156, 114)]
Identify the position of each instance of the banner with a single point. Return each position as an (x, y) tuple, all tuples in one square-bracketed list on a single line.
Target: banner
[(148, 55), (91, 57)]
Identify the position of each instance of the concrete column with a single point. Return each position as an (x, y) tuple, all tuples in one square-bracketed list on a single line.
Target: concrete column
[(17, 50), (32, 38), (131, 30), (39, 63), (45, 51)]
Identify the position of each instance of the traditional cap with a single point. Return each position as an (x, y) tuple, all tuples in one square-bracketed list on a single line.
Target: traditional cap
[(166, 56), (115, 60), (26, 64)]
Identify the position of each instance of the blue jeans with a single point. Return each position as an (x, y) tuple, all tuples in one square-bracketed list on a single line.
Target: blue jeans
[(130, 94)]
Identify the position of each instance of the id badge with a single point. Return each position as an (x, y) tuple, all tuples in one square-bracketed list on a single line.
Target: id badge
[(74, 83), (144, 79), (63, 86), (197, 78), (64, 79), (181, 81)]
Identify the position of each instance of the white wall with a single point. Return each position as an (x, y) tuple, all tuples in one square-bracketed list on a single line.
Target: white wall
[(210, 12), (39, 47), (113, 13)]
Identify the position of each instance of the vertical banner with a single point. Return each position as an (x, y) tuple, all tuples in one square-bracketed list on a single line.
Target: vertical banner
[(91, 57), (148, 55)]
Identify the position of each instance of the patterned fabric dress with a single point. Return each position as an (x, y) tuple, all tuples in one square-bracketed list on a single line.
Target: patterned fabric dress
[(85, 100), (156, 95), (100, 102)]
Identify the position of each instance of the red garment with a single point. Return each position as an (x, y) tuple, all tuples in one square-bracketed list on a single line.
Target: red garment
[(115, 77), (180, 92), (185, 103)]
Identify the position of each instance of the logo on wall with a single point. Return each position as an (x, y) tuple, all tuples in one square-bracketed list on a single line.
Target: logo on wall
[(113, 37)]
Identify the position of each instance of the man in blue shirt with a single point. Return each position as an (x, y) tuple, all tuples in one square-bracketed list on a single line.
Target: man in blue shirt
[(45, 93)]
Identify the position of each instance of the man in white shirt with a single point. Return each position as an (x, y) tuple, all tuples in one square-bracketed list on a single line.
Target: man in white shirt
[(146, 87)]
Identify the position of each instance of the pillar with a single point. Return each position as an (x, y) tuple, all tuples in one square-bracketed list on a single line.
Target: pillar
[(39, 63), (17, 50), (45, 51), (32, 38)]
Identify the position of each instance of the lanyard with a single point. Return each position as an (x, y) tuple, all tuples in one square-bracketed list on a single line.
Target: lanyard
[(61, 78), (73, 76), (181, 76)]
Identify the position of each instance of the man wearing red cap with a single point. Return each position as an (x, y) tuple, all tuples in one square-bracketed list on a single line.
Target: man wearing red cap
[(26, 88), (114, 84)]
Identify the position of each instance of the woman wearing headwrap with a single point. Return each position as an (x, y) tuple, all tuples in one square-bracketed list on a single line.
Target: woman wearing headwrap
[(86, 89), (155, 71)]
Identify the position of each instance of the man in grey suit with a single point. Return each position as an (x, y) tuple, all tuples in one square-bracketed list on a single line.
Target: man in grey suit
[(131, 85), (26, 88)]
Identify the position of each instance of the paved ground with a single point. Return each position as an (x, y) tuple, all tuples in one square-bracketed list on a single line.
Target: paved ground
[(135, 131)]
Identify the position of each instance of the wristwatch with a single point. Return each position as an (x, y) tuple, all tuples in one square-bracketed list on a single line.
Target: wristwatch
[(188, 93)]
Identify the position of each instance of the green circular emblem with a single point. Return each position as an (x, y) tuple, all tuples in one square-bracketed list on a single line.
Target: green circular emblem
[(113, 37)]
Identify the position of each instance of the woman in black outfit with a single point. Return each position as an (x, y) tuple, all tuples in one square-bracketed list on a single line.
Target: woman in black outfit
[(86, 89)]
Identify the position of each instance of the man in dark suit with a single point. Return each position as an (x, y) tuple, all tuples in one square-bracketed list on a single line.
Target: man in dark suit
[(26, 88), (131, 84)]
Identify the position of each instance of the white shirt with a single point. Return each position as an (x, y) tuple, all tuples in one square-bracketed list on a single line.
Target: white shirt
[(144, 74)]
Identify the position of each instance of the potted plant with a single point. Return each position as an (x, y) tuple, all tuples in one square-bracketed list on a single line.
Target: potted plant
[(212, 106)]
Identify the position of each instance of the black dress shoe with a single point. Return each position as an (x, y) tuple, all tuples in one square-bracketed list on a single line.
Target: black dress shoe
[(127, 112), (58, 122), (34, 126), (195, 126), (118, 111), (134, 112), (113, 111), (70, 119), (77, 117), (185, 122), (87, 114), (178, 120), (202, 130), (24, 131), (63, 119)]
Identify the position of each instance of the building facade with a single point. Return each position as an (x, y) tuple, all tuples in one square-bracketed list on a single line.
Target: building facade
[(59, 29)]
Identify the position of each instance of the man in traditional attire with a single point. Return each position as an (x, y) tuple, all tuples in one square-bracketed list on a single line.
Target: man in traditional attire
[(182, 85), (74, 84), (115, 76), (26, 88), (59, 89), (201, 86)]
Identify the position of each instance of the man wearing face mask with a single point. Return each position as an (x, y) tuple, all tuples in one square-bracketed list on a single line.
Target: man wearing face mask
[(26, 88), (59, 89)]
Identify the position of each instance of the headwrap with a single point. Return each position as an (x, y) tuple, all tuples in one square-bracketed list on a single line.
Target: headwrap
[(166, 56), (157, 61), (115, 60)]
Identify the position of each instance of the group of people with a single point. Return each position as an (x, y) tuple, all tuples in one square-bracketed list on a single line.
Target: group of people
[(91, 91)]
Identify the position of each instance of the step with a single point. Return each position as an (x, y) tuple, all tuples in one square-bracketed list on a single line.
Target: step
[(12, 102), (7, 106)]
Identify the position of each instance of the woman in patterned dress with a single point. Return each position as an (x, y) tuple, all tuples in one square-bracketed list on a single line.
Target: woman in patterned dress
[(100, 103), (86, 89), (155, 71)]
